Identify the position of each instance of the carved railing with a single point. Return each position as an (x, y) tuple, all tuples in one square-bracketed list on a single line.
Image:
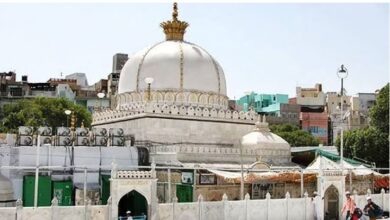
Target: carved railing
[(135, 110)]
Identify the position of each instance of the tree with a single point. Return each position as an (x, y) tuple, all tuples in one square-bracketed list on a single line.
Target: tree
[(372, 143), (369, 144), (294, 136), (41, 111), (379, 113)]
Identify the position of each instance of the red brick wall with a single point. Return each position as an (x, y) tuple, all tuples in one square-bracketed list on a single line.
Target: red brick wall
[(316, 123)]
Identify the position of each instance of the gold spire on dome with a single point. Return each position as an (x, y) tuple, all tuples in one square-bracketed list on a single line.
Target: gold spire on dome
[(174, 29)]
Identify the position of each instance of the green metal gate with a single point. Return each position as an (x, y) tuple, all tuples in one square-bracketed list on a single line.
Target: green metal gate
[(63, 191), (44, 191), (184, 193), (105, 188)]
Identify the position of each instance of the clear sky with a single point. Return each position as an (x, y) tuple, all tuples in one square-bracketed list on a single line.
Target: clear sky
[(267, 48)]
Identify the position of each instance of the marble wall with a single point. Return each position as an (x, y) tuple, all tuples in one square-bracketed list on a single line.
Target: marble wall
[(267, 209)]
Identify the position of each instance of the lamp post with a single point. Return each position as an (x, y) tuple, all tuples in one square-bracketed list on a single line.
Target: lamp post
[(101, 95), (149, 81), (342, 73), (67, 113)]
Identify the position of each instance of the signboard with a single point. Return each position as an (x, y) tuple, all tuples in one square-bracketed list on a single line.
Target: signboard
[(187, 177), (208, 179)]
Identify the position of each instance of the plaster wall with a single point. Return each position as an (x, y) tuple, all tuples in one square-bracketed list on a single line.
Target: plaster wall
[(268, 209), (184, 130)]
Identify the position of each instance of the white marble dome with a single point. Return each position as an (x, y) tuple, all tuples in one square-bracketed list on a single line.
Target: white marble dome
[(183, 73), (268, 147), (175, 66)]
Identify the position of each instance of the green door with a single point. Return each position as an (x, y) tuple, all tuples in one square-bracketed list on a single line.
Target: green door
[(63, 191), (105, 188), (184, 193), (44, 191)]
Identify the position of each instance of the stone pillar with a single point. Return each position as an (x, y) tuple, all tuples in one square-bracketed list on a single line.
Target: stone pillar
[(109, 204), (54, 206), (305, 195), (174, 203), (19, 209), (287, 205), (224, 200), (154, 200), (247, 197), (200, 207), (268, 198)]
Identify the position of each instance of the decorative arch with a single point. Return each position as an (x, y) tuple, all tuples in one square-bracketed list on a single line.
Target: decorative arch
[(169, 97), (180, 97), (133, 201), (193, 98), (203, 99), (331, 202)]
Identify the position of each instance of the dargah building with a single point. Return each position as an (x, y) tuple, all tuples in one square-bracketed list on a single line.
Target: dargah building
[(172, 98), (172, 101), (181, 141)]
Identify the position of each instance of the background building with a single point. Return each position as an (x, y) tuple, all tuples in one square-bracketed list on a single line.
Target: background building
[(313, 116), (275, 106)]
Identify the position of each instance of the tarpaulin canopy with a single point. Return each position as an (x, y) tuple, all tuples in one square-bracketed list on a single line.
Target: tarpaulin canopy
[(252, 177), (326, 164)]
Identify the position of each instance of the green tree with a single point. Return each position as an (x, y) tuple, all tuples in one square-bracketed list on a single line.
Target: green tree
[(294, 136), (372, 143), (379, 113), (369, 144), (41, 111)]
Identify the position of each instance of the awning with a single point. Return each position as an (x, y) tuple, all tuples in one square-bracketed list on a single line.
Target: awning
[(253, 177)]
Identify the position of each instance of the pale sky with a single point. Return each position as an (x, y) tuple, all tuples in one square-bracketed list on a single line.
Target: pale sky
[(266, 48)]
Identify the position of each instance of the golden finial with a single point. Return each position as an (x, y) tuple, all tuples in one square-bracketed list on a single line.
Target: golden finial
[(175, 13), (175, 29)]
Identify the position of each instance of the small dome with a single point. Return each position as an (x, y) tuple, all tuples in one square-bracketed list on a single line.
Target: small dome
[(6, 191), (268, 146)]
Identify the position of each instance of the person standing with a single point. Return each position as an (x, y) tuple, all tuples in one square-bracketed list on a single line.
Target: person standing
[(372, 209), (128, 215), (349, 207), (317, 203)]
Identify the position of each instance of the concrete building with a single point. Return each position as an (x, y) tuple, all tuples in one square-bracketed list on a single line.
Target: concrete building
[(352, 115), (263, 103), (274, 106), (311, 97), (119, 60), (80, 78), (316, 123), (313, 116), (366, 100)]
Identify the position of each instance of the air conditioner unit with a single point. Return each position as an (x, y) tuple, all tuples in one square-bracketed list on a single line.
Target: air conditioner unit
[(45, 140), (99, 132), (100, 141), (44, 131), (64, 141), (118, 132), (25, 130), (118, 141), (26, 141), (63, 131), (82, 141), (82, 132)]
